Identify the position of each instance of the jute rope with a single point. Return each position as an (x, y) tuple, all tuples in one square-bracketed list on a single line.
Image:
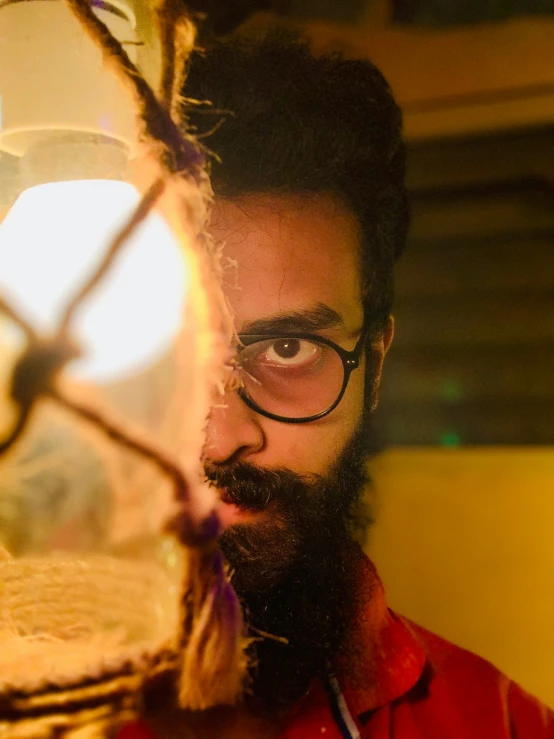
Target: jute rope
[(210, 643)]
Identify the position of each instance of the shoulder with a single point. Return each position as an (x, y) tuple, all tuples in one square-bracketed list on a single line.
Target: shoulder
[(456, 676)]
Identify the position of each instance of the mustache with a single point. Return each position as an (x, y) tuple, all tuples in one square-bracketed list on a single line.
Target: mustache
[(249, 486)]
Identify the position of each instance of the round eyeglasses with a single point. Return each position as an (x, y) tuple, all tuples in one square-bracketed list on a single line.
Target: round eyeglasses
[(294, 378)]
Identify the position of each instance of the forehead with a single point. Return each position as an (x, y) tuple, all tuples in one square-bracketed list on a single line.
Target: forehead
[(289, 253)]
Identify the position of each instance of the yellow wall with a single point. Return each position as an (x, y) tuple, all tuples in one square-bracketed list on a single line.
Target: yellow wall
[(464, 542)]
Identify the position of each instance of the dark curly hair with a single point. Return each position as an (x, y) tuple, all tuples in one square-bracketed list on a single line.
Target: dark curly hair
[(296, 123)]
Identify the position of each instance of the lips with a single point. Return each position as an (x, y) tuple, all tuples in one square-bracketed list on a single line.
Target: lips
[(232, 514), (247, 486), (227, 497), (230, 499)]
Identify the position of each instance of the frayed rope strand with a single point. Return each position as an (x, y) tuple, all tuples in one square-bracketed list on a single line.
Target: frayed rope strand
[(180, 153), (214, 653), (167, 14), (185, 37), (213, 658)]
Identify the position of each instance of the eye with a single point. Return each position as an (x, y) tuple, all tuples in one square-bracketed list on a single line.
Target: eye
[(291, 352)]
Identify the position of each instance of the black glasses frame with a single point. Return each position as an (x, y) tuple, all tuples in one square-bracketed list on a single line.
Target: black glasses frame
[(350, 362)]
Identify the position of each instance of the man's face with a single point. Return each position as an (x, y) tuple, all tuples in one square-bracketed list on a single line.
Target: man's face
[(288, 257), (289, 490)]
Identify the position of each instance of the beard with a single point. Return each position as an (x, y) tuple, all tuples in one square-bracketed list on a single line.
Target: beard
[(291, 570)]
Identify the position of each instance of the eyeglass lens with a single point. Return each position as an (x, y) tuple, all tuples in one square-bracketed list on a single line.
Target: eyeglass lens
[(292, 378)]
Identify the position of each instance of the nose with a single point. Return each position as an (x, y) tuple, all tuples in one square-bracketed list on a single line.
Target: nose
[(234, 433)]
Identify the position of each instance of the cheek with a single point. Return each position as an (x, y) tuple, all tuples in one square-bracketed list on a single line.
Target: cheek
[(314, 447)]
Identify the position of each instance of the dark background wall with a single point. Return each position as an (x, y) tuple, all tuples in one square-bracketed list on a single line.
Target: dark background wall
[(448, 12), (473, 356), (417, 12)]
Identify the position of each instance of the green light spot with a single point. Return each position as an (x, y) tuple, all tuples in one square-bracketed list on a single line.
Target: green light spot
[(450, 439)]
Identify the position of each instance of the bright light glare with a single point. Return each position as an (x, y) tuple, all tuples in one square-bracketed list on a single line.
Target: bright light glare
[(51, 240)]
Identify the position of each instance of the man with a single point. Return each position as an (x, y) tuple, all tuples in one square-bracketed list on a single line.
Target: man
[(311, 207)]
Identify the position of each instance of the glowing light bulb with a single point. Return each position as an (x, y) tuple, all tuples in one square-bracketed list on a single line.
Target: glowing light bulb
[(51, 240)]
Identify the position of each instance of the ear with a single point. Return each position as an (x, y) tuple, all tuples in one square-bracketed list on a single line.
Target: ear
[(379, 350)]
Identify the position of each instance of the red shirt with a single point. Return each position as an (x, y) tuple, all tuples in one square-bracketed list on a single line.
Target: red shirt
[(395, 680)]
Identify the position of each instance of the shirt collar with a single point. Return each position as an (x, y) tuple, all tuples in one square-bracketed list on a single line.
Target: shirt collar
[(382, 659)]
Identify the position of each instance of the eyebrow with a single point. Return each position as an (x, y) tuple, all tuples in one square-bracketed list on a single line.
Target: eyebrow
[(318, 318)]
